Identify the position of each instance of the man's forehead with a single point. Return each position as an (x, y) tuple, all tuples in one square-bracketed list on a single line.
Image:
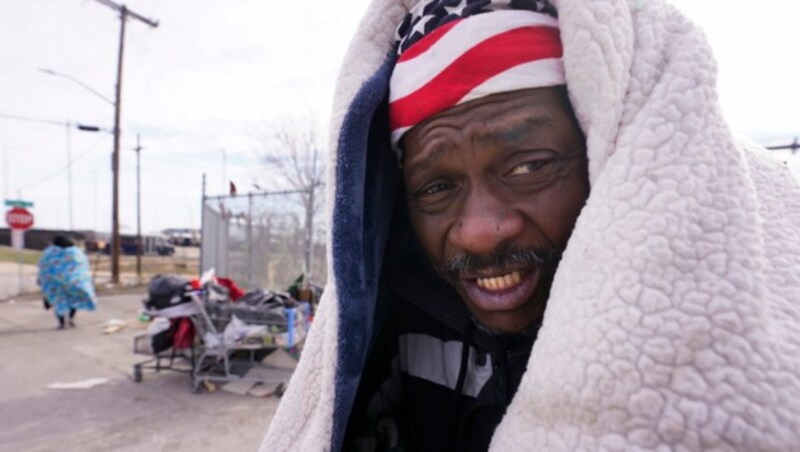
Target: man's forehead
[(441, 136), (505, 116), (505, 128)]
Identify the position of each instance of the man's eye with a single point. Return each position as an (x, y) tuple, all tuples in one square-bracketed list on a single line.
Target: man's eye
[(433, 189), (538, 167), (528, 167), (535, 170)]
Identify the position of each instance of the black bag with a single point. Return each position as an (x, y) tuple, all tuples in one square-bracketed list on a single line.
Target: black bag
[(163, 340), (47, 304), (166, 291)]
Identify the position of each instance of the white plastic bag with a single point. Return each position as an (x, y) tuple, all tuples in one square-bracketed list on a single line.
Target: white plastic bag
[(158, 325), (237, 331)]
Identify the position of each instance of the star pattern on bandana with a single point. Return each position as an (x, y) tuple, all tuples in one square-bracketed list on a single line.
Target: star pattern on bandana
[(456, 10), (419, 27), (429, 15)]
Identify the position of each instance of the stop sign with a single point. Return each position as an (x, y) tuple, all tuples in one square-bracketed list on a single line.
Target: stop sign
[(19, 218)]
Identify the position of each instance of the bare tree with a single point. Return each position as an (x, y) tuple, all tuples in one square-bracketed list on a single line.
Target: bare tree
[(292, 154)]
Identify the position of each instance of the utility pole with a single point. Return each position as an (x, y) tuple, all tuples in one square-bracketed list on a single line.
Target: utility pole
[(5, 174), (309, 239), (202, 226), (124, 13), (138, 149), (69, 173)]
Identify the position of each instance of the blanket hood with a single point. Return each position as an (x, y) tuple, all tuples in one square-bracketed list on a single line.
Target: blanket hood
[(673, 318)]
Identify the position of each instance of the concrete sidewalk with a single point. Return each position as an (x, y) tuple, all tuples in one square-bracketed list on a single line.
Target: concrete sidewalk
[(10, 283), (161, 413)]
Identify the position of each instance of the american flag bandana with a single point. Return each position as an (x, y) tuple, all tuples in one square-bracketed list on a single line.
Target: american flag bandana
[(449, 53)]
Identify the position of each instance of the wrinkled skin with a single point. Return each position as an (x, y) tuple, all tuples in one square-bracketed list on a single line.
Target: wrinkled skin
[(494, 187)]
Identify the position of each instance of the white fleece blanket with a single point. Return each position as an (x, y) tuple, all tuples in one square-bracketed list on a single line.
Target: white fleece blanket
[(673, 322)]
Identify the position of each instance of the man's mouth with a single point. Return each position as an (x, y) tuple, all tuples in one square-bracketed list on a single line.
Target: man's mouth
[(504, 280), (501, 282), (502, 292)]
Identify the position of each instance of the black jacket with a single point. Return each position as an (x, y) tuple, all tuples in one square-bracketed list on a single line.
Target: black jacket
[(421, 389)]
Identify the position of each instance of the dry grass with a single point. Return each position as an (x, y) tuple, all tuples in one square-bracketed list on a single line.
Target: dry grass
[(151, 265), (184, 262), (29, 257)]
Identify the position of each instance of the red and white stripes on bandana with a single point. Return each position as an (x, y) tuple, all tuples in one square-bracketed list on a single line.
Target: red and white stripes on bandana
[(470, 58)]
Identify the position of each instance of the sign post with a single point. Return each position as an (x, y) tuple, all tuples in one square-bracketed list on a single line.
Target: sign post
[(19, 220)]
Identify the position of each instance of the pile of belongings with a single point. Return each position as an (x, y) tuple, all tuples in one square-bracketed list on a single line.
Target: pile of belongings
[(258, 306), (169, 301), (258, 318)]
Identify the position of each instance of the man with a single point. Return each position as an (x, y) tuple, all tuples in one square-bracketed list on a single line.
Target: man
[(482, 295)]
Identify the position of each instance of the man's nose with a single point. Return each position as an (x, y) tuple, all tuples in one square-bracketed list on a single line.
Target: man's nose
[(484, 223)]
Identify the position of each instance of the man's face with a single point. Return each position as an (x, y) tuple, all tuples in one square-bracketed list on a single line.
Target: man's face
[(494, 187)]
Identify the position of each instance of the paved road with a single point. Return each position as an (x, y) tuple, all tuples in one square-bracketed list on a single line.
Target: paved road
[(161, 413)]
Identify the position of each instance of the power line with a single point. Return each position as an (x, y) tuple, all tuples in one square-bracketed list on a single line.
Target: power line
[(29, 119), (78, 125), (62, 168)]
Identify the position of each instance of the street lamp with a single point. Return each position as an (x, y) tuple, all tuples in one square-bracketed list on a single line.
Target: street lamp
[(74, 80)]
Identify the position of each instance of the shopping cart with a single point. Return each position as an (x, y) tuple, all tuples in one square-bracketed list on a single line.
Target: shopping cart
[(170, 341), (171, 358), (236, 337)]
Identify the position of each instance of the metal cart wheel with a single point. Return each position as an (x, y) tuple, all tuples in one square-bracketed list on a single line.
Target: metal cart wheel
[(137, 373)]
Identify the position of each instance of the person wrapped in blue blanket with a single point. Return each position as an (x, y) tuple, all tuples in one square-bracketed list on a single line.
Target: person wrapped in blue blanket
[(66, 280)]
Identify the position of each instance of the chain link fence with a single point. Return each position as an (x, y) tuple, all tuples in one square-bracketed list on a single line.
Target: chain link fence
[(260, 240)]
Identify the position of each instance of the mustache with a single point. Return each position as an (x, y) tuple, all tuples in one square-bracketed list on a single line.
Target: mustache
[(509, 258)]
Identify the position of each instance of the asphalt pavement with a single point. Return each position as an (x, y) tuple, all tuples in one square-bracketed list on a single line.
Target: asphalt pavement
[(159, 414)]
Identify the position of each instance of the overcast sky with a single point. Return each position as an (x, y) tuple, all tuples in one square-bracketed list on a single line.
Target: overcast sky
[(212, 71)]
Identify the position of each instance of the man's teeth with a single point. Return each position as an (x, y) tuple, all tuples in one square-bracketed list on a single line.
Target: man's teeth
[(500, 282)]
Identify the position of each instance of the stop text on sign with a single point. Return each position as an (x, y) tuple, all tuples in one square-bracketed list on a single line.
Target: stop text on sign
[(19, 218)]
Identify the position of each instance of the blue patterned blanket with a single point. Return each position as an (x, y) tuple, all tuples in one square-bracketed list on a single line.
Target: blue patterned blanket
[(66, 280)]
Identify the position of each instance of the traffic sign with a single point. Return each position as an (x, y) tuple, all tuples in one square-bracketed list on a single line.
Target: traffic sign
[(18, 203), (19, 218)]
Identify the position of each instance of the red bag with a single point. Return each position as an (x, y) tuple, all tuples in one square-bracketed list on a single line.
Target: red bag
[(184, 334), (233, 290)]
